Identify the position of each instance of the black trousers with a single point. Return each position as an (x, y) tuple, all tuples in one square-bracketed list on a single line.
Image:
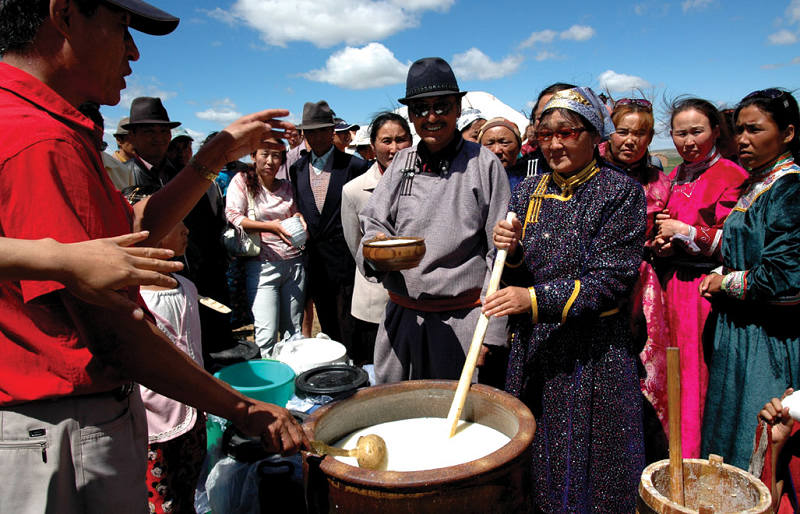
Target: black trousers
[(332, 303), (364, 342)]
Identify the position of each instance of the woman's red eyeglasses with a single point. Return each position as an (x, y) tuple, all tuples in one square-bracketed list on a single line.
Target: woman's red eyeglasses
[(545, 136)]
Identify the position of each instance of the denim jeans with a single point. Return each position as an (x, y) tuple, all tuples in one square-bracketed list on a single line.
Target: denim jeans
[(276, 292)]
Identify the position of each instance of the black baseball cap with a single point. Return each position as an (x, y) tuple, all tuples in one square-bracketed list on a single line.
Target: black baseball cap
[(146, 18)]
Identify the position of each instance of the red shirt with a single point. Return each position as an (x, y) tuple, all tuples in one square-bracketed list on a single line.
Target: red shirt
[(52, 184)]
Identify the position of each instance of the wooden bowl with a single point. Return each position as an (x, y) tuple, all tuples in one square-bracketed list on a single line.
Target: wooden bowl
[(394, 253)]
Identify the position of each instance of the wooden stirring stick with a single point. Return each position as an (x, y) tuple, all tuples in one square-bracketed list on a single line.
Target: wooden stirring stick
[(674, 410), (475, 346)]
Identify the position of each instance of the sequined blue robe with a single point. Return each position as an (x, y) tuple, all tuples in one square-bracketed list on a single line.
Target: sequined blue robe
[(576, 366)]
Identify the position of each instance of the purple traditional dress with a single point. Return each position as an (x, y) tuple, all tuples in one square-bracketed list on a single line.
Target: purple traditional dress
[(574, 362), (648, 296), (574, 359)]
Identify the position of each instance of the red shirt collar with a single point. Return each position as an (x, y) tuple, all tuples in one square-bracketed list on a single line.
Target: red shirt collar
[(33, 90)]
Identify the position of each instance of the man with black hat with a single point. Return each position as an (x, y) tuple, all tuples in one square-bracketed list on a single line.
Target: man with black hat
[(149, 130), (67, 402), (317, 179), (451, 192)]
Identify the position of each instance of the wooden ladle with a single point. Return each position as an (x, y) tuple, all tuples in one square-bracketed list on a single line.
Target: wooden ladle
[(370, 451), (470, 363)]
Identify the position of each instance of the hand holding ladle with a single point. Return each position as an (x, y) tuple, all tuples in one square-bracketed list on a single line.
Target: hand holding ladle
[(370, 451)]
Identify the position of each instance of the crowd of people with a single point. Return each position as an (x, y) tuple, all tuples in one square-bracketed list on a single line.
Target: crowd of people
[(611, 259)]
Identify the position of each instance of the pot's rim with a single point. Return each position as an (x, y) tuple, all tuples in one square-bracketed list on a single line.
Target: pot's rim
[(426, 479)]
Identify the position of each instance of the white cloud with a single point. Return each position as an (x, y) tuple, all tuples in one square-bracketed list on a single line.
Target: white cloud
[(653, 8), (420, 5), (328, 22), (574, 33), (578, 33), (783, 37), (793, 11), (108, 130), (774, 66), (695, 4), (135, 88), (474, 64), (198, 138), (614, 82), (787, 36), (221, 15), (543, 36), (223, 112), (374, 65), (544, 55)]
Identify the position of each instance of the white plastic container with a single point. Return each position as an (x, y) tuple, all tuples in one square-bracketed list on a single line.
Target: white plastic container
[(298, 235), (793, 402), (303, 354)]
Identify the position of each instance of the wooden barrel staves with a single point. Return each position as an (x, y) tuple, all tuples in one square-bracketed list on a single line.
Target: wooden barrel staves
[(710, 486)]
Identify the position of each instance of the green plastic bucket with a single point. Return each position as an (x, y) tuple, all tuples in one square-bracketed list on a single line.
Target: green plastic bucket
[(261, 379)]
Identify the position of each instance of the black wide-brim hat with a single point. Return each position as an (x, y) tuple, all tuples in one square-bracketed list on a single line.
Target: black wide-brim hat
[(316, 115), (146, 110), (430, 76), (147, 18)]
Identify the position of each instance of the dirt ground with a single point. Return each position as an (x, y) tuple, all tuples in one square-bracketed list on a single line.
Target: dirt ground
[(246, 331)]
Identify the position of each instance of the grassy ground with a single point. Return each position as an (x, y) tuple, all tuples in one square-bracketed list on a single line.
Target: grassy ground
[(673, 159)]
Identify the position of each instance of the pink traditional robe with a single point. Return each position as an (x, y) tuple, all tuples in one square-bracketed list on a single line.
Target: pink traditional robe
[(703, 200), (648, 297)]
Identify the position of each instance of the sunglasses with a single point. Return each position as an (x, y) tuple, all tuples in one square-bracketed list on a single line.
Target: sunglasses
[(641, 102), (563, 134), (423, 110)]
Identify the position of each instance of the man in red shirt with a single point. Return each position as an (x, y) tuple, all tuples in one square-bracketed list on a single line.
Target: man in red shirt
[(75, 431)]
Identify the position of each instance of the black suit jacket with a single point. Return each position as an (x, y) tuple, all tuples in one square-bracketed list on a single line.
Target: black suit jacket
[(327, 249)]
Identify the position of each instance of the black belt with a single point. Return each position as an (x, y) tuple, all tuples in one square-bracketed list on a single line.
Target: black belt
[(119, 393)]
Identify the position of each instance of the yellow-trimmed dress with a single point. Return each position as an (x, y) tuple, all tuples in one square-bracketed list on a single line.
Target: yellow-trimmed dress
[(573, 359)]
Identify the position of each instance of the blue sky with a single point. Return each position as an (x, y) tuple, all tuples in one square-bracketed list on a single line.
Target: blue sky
[(232, 57)]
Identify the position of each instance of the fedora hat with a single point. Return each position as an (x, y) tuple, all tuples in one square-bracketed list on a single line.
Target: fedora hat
[(316, 115), (120, 130), (147, 18), (147, 110), (430, 76)]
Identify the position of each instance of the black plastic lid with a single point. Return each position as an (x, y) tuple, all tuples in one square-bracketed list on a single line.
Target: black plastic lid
[(330, 380)]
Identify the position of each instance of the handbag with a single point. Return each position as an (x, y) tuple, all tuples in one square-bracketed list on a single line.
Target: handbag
[(237, 241)]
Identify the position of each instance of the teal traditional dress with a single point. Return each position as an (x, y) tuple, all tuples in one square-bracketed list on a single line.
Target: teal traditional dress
[(756, 347)]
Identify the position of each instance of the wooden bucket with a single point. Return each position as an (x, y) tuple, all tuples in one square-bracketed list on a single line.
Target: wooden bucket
[(710, 486)]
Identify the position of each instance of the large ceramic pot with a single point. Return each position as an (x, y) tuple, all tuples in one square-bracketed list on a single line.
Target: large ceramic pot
[(499, 482)]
